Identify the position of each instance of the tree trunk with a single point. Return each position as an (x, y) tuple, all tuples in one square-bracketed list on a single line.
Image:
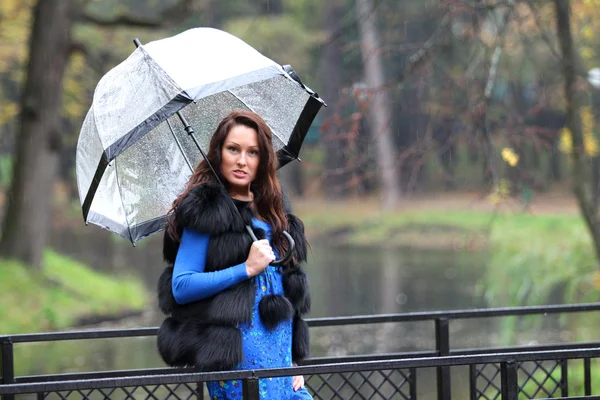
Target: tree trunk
[(27, 214), (579, 173), (379, 111), (331, 79)]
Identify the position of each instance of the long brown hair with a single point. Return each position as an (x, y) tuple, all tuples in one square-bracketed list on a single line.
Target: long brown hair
[(268, 199)]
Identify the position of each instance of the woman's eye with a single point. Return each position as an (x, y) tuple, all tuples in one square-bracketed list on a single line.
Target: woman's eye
[(253, 152), (232, 149)]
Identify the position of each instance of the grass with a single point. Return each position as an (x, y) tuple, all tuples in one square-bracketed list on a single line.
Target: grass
[(61, 293), (533, 256)]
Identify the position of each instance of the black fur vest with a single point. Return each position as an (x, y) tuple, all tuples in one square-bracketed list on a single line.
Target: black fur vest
[(204, 334)]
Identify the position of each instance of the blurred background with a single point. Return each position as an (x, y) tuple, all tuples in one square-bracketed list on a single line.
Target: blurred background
[(453, 168)]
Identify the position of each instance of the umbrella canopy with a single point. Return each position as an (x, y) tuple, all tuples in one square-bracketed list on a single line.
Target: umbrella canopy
[(134, 156)]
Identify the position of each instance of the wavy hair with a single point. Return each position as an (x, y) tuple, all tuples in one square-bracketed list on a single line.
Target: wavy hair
[(268, 198)]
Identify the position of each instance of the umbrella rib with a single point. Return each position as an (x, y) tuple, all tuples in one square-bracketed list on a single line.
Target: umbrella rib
[(180, 147), (122, 202)]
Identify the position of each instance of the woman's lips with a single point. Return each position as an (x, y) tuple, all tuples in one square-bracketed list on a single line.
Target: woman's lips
[(239, 174)]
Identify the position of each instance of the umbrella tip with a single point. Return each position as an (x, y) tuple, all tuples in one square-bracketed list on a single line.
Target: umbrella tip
[(137, 42)]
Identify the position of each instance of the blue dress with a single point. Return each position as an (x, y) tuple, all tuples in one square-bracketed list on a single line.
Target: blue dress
[(263, 348)]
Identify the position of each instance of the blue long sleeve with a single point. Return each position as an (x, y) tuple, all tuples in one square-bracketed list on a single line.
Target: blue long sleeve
[(190, 282)]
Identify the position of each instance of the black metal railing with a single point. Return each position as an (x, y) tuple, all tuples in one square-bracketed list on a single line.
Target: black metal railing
[(510, 385), (494, 373)]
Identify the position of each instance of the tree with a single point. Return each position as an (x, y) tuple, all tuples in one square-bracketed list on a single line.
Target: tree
[(28, 211), (580, 174), (379, 111), (331, 83)]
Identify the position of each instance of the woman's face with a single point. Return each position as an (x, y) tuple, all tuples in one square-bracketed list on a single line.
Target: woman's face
[(240, 157)]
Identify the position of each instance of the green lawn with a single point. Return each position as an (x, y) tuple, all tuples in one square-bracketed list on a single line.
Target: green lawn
[(56, 296)]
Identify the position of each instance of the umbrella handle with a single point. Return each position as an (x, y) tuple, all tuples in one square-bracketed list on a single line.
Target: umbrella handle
[(290, 251)]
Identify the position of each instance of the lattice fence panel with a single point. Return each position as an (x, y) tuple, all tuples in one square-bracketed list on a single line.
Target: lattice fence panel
[(385, 384)]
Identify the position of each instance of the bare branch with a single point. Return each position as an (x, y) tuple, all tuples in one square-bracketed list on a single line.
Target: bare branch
[(488, 94), (420, 56), (489, 5), (543, 34), (579, 67)]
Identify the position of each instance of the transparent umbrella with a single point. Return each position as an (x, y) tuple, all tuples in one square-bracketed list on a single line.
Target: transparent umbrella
[(153, 115)]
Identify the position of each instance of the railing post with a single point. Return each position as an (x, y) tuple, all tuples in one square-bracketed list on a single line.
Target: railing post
[(7, 364), (199, 391), (413, 384), (473, 381), (250, 389), (587, 373), (442, 344), (509, 380), (564, 378)]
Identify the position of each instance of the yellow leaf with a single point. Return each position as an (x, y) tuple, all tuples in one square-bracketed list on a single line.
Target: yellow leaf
[(494, 198), (587, 53), (7, 112), (566, 141), (510, 156), (590, 145), (588, 32), (504, 188), (587, 120), (501, 192), (596, 280)]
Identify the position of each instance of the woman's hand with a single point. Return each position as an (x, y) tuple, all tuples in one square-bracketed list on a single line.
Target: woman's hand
[(261, 255), (298, 382)]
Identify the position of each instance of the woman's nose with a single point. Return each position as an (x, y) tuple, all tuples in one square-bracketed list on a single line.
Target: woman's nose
[(242, 159)]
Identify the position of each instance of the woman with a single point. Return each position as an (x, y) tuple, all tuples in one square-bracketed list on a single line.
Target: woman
[(227, 307)]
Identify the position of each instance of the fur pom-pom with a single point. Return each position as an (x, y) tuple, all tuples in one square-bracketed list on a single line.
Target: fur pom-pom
[(206, 209), (273, 309), (166, 301), (297, 290), (300, 340)]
